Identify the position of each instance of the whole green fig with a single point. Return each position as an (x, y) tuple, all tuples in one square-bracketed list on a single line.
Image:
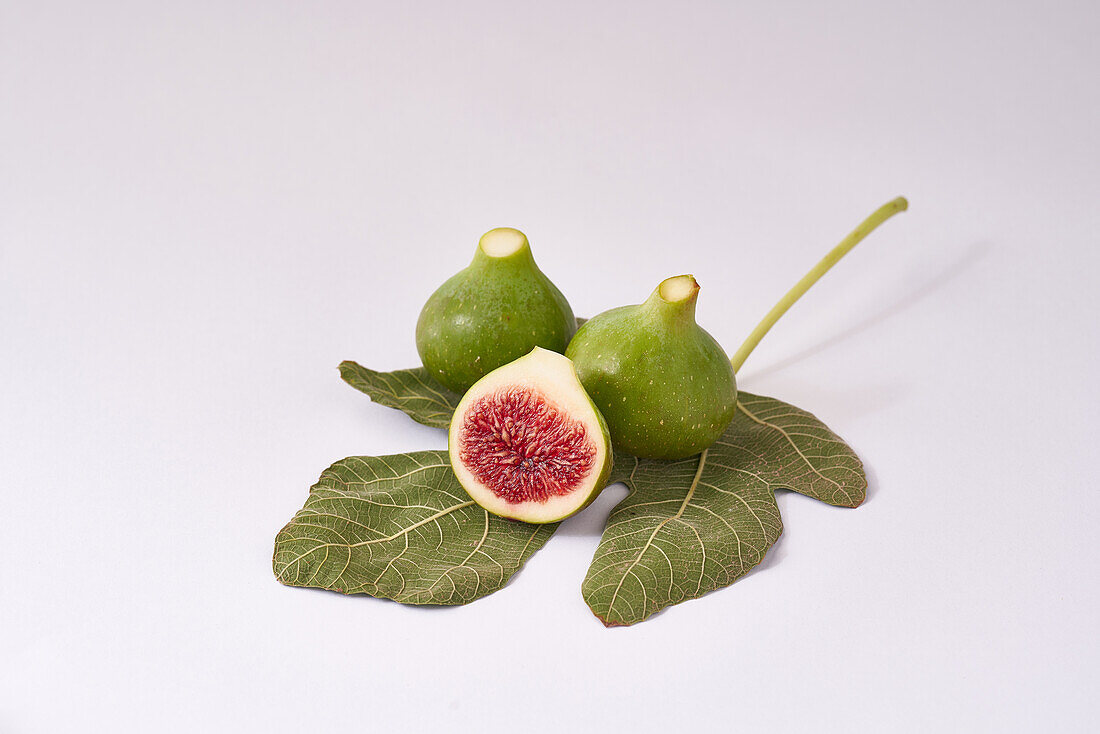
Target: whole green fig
[(664, 385), (494, 311)]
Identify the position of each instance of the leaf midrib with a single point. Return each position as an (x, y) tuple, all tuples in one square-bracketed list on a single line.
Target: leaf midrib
[(677, 516)]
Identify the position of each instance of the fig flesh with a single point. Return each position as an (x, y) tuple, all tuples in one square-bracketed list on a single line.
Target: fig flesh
[(527, 443), (492, 312), (665, 386)]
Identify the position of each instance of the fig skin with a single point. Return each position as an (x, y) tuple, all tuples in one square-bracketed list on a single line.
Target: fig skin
[(555, 377), (492, 312), (664, 385)]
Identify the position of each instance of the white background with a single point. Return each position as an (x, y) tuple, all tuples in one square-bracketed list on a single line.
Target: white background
[(206, 206)]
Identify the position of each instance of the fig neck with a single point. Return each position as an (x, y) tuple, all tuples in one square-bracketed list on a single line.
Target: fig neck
[(503, 248), (672, 303)]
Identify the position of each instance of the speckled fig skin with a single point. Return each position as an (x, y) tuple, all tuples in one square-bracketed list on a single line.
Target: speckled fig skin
[(664, 385), (491, 313)]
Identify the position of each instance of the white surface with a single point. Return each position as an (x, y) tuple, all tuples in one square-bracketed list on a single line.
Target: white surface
[(205, 206)]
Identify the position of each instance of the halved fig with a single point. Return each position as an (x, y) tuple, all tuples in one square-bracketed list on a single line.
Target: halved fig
[(527, 443)]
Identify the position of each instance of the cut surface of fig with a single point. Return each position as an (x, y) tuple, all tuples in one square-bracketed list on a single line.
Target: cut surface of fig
[(527, 443), (522, 448)]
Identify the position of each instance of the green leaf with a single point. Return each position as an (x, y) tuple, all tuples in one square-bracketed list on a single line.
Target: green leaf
[(692, 526), (412, 392), (687, 527), (401, 527)]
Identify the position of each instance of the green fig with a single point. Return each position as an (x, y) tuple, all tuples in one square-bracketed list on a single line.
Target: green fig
[(527, 443), (494, 311), (664, 385)]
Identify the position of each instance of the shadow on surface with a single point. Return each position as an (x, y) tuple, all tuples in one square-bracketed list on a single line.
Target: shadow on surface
[(964, 262), (591, 521)]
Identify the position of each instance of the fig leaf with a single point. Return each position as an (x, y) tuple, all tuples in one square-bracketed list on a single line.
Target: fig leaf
[(688, 526), (698, 524), (412, 391), (401, 527)]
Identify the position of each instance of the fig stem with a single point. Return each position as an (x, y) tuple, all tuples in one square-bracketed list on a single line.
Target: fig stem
[(865, 228)]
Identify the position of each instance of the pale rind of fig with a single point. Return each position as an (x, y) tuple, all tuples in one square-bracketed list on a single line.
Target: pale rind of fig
[(527, 443)]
